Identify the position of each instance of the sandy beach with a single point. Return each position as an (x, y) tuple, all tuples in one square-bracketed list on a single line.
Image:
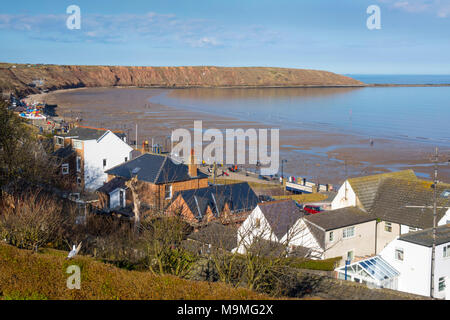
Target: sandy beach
[(326, 157)]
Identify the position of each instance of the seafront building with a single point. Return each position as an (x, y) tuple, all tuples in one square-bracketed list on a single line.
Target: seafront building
[(94, 151)]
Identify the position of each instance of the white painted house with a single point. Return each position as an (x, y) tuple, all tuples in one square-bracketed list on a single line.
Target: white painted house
[(399, 201), (97, 151), (410, 255), (273, 221)]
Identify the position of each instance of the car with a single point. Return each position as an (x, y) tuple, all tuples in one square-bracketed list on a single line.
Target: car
[(312, 209)]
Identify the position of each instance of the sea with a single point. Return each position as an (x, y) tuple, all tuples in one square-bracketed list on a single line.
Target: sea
[(404, 113)]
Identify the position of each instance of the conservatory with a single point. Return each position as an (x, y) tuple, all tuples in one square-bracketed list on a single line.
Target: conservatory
[(374, 271)]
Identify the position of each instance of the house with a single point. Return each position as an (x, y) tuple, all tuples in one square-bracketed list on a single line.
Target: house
[(97, 150), (398, 200), (346, 232), (229, 204), (361, 191), (272, 221), (159, 178), (410, 254), (214, 235), (67, 160)]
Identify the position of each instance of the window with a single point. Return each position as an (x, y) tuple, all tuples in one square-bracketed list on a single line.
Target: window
[(59, 141), (122, 198), (388, 227), (348, 232), (126, 159), (104, 163), (168, 191), (78, 164), (446, 251), (77, 144), (350, 255), (65, 168), (79, 181), (331, 236), (441, 283), (412, 229), (399, 254)]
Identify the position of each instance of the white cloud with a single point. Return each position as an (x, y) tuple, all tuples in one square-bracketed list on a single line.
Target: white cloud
[(440, 8), (163, 30)]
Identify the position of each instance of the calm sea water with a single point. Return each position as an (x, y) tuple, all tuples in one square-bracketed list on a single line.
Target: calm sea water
[(401, 79), (410, 113)]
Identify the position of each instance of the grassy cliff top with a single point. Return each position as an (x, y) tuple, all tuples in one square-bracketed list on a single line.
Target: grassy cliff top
[(35, 276)]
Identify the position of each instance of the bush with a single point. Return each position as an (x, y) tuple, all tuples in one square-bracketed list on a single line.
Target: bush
[(30, 221)]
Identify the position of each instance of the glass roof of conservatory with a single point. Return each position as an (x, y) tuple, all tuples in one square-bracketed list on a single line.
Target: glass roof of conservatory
[(376, 267)]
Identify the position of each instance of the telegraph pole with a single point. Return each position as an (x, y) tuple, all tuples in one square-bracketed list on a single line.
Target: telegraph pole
[(433, 250)]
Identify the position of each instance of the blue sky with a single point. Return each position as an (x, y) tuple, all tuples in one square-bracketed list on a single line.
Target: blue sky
[(320, 34)]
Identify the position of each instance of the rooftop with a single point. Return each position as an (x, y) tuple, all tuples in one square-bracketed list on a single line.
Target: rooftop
[(217, 235), (402, 201), (117, 182), (90, 133), (366, 187), (340, 218), (425, 237), (281, 215), (239, 196), (155, 169)]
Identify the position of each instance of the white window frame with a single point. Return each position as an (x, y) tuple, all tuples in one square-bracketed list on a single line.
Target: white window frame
[(331, 236), (387, 225), (441, 281), (105, 163), (397, 257), (78, 160), (57, 141), (77, 144), (446, 251), (345, 232), (124, 199), (353, 254), (170, 192), (65, 168)]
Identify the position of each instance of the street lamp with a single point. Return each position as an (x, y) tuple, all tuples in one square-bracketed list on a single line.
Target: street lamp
[(282, 162)]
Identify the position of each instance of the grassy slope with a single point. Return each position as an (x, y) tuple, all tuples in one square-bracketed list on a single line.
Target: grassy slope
[(27, 275)]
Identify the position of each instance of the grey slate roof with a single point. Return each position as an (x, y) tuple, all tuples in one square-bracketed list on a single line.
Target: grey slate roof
[(86, 133), (155, 169), (216, 234), (83, 133), (64, 152), (239, 196), (425, 237), (340, 218), (281, 215), (117, 182), (366, 187), (395, 196)]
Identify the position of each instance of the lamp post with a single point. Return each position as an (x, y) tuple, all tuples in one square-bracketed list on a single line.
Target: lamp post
[(282, 168)]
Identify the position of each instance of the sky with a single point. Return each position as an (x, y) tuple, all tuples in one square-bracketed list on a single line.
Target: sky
[(414, 37)]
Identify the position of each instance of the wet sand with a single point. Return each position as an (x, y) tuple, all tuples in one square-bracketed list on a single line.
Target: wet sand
[(326, 157)]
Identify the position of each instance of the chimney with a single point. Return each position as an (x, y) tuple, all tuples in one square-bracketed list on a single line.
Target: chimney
[(192, 165)]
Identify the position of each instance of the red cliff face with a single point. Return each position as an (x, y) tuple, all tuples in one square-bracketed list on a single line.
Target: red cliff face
[(55, 77)]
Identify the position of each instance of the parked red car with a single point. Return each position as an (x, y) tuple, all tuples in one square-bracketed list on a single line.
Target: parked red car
[(312, 209)]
